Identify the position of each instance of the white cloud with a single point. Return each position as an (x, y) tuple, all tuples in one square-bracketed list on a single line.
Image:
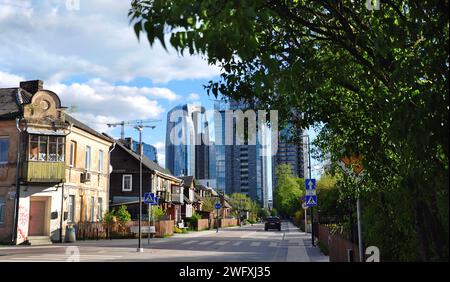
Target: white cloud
[(9, 80), (193, 97), (44, 40)]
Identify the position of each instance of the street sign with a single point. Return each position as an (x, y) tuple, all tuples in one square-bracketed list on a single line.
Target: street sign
[(156, 201), (311, 201), (310, 195), (218, 206), (149, 198), (310, 184)]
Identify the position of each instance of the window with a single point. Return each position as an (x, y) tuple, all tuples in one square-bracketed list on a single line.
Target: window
[(92, 208), (46, 148), (2, 210), (99, 209), (42, 155), (100, 161), (87, 160), (71, 209), (73, 153), (4, 149), (127, 182)]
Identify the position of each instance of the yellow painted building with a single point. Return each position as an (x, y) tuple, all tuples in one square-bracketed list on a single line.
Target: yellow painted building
[(62, 167)]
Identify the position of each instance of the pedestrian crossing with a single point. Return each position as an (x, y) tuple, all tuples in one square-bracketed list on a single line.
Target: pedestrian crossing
[(240, 243), (63, 258)]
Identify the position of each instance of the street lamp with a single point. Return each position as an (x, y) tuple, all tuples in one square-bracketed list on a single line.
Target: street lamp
[(310, 176), (140, 128)]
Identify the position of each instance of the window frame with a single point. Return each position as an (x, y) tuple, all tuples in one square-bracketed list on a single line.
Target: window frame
[(99, 209), (123, 182), (72, 153), (100, 161), (7, 138), (88, 161), (92, 211)]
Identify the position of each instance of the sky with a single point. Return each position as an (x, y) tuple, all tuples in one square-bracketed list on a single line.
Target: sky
[(87, 53)]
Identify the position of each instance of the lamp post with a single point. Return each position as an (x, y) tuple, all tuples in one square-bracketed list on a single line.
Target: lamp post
[(140, 128), (310, 176)]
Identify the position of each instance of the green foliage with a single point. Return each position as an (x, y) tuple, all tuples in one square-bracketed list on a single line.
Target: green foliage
[(208, 204), (109, 217), (274, 212), (288, 192), (376, 80), (122, 214), (157, 213)]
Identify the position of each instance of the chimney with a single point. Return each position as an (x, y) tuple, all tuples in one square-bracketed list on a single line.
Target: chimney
[(128, 142), (32, 86)]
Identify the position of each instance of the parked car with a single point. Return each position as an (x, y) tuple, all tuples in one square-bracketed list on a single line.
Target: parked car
[(272, 222)]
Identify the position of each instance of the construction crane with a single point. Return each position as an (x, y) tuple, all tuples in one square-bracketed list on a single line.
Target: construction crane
[(134, 123)]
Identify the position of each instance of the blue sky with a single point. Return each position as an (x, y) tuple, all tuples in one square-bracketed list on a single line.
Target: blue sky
[(90, 57)]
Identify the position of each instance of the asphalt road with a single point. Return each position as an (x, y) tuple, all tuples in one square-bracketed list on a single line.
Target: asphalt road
[(236, 244)]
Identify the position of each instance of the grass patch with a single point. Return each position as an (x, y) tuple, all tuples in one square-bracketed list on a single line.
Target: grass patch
[(323, 248)]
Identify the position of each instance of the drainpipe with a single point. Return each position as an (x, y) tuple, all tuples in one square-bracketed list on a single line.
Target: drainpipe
[(17, 198), (61, 215), (109, 174)]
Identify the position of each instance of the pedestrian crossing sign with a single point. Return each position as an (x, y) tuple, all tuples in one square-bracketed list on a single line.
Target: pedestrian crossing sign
[(311, 201)]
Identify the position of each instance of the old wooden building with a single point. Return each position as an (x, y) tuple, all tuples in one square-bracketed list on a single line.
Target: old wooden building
[(53, 168)]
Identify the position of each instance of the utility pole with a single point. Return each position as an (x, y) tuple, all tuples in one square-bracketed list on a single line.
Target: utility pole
[(140, 128), (131, 122)]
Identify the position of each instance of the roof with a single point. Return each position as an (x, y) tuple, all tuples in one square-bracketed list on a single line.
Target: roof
[(82, 126), (186, 200), (187, 180), (11, 101), (145, 161)]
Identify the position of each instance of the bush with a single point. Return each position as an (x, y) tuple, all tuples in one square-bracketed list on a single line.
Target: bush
[(122, 214), (157, 213)]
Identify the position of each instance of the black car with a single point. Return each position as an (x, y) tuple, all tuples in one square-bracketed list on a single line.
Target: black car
[(272, 223)]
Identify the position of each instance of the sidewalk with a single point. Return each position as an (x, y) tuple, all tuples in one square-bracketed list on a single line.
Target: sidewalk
[(300, 246)]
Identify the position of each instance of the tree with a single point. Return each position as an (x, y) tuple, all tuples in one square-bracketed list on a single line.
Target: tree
[(208, 204), (376, 80), (288, 191), (240, 202)]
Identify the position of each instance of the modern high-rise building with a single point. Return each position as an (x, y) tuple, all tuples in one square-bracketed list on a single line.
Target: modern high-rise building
[(240, 168), (290, 151), (187, 141), (147, 150)]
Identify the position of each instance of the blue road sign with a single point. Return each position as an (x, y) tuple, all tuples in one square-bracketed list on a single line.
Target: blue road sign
[(311, 201), (155, 203), (310, 184), (218, 206), (149, 198)]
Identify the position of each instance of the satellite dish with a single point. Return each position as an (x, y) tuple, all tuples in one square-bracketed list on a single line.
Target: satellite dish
[(110, 168)]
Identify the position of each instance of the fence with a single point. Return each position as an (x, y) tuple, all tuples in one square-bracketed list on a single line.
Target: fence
[(203, 224), (339, 248), (99, 230), (225, 222)]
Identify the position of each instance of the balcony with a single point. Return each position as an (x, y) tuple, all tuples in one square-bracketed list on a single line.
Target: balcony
[(44, 172)]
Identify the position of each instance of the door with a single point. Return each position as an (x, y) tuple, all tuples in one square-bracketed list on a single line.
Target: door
[(37, 218)]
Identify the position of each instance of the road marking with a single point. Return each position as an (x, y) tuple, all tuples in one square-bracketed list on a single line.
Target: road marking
[(221, 243), (206, 242), (272, 244), (255, 244), (189, 242), (64, 257), (237, 243)]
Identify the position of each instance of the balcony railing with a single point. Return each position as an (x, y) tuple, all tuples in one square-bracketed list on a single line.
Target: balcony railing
[(50, 172)]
